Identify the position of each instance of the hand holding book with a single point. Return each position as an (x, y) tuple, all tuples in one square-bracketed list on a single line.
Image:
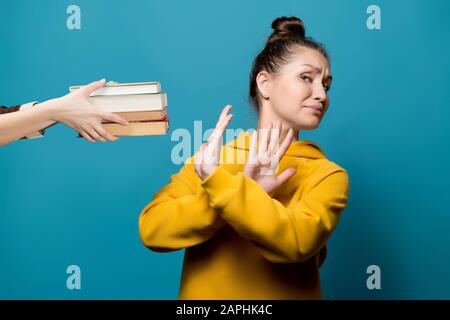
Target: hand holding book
[(75, 110), (142, 104), (78, 112)]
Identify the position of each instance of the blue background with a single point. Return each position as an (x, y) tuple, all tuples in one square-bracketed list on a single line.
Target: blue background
[(65, 201)]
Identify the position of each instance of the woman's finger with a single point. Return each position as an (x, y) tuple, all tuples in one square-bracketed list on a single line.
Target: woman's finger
[(224, 113), (217, 133), (215, 144), (222, 117), (285, 144), (252, 155), (104, 134), (225, 124), (87, 136), (216, 137), (91, 87), (212, 151), (114, 118), (93, 133), (264, 139), (275, 138)]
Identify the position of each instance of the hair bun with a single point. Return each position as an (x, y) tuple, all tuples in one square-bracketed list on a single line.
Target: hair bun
[(287, 27)]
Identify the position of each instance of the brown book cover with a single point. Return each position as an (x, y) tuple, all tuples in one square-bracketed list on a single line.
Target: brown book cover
[(142, 115), (140, 128)]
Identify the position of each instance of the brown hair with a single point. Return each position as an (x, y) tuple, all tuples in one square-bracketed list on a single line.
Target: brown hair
[(288, 34)]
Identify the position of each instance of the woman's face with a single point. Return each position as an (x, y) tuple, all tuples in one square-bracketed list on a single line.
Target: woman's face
[(298, 91)]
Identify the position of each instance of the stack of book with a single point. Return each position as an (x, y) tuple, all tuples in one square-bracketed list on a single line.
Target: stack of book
[(142, 104)]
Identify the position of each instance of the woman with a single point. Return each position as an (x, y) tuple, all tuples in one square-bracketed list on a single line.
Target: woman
[(258, 229), (73, 109)]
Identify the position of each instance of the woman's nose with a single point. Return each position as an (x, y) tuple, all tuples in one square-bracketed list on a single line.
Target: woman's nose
[(319, 93)]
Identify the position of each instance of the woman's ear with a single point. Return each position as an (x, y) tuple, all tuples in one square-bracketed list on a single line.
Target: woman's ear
[(264, 81)]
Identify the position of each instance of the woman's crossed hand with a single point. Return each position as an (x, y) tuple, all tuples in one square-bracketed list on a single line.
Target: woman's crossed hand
[(264, 154)]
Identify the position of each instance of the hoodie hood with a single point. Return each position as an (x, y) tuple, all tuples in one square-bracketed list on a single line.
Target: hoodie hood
[(299, 149)]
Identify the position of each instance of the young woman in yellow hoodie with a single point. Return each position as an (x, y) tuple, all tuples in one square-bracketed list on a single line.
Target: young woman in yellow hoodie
[(257, 228)]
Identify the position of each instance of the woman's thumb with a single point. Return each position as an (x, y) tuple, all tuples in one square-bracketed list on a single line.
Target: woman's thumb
[(286, 174)]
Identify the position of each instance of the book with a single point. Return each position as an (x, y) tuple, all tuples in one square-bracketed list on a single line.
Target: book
[(142, 115), (129, 103), (142, 128), (142, 104), (115, 88)]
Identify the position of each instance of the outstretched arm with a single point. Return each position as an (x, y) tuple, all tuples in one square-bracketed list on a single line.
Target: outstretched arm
[(74, 109), (282, 234), (180, 214)]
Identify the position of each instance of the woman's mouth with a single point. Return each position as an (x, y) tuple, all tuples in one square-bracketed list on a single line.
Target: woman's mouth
[(315, 109)]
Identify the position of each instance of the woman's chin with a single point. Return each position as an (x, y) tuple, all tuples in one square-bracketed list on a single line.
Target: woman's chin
[(308, 124)]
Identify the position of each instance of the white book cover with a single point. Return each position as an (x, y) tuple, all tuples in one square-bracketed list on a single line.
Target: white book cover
[(129, 103), (112, 88)]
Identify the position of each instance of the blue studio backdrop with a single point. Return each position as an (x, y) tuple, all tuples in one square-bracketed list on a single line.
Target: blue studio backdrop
[(65, 201)]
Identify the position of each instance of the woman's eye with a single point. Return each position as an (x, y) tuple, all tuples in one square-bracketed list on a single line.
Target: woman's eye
[(306, 78)]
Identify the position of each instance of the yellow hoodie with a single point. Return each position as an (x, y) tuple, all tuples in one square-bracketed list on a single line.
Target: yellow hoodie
[(242, 243)]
